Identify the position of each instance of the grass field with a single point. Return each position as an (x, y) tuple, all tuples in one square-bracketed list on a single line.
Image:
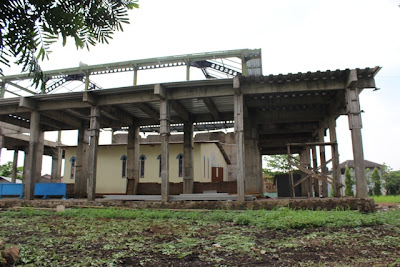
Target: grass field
[(118, 237), (386, 199)]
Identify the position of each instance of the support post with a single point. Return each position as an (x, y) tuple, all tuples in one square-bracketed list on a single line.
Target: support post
[(14, 167), (133, 156), (26, 163), (335, 156), (1, 141), (315, 168), (93, 146), (252, 176), (188, 172), (322, 158), (34, 156), (188, 71), (82, 164), (244, 66), (355, 125), (135, 74), (306, 185), (164, 132), (240, 156), (3, 90), (87, 82), (56, 165)]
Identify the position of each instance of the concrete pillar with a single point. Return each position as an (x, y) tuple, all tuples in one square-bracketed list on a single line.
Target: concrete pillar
[(164, 132), (82, 164), (188, 171), (244, 66), (322, 158), (26, 158), (35, 156), (135, 74), (355, 125), (1, 142), (93, 146), (240, 153), (56, 163), (14, 166), (87, 82), (133, 157), (3, 89), (315, 168), (335, 156), (187, 71), (253, 182)]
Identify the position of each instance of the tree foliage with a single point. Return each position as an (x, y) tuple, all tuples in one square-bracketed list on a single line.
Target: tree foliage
[(277, 164), (348, 182), (6, 169), (29, 27), (376, 179), (392, 180)]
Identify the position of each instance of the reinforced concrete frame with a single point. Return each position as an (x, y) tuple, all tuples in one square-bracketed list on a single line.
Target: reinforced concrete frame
[(270, 114)]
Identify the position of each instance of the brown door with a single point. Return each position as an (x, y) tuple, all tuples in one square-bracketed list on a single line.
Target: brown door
[(217, 174)]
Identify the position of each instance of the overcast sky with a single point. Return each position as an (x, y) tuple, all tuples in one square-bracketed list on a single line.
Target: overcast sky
[(295, 36)]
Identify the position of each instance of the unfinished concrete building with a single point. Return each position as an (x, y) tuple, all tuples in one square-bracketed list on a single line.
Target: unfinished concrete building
[(273, 114)]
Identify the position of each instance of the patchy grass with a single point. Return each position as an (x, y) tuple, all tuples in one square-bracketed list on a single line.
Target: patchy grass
[(279, 219), (95, 237), (386, 199)]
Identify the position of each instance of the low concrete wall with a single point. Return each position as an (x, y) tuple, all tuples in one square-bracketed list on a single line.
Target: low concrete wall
[(177, 188), (361, 204)]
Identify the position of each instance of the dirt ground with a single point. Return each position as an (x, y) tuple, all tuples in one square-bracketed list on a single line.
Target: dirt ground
[(64, 241)]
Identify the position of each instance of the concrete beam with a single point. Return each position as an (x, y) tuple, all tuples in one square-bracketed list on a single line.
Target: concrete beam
[(352, 78), (120, 115), (88, 97), (211, 107), (64, 118), (160, 91), (27, 103), (180, 110), (148, 110), (11, 128)]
